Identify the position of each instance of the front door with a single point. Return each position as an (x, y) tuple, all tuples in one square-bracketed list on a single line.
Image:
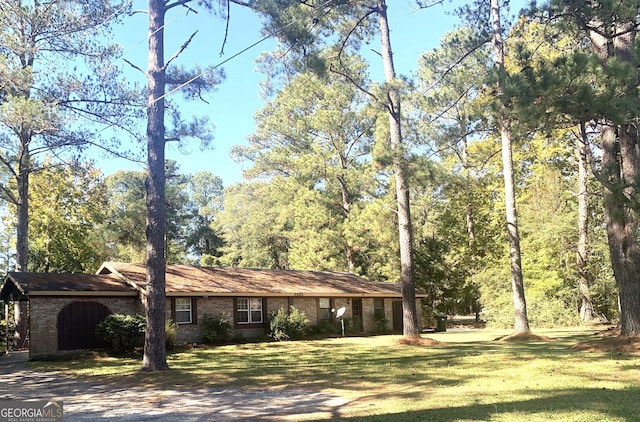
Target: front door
[(396, 307), (356, 314)]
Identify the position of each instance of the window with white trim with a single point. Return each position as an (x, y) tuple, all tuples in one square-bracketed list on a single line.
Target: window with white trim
[(378, 307), (324, 304), (184, 310), (249, 310)]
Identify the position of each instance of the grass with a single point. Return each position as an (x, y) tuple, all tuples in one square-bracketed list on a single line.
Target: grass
[(468, 376)]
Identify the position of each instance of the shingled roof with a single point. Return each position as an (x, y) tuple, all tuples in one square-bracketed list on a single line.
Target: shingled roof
[(18, 285), (182, 280), (123, 279)]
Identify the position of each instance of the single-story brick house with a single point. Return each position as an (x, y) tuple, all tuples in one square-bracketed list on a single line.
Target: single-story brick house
[(65, 308)]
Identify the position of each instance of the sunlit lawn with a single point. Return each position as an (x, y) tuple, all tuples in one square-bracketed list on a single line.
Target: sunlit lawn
[(468, 377)]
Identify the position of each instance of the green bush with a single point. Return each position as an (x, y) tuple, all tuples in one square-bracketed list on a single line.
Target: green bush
[(124, 332), (323, 328), (381, 321), (292, 325), (216, 329), (170, 333)]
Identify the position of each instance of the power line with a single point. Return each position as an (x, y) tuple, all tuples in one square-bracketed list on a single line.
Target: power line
[(268, 36), (244, 50)]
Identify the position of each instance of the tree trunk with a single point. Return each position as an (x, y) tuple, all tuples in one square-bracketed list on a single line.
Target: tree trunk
[(155, 355), (621, 172), (471, 230), (22, 205), (584, 294), (621, 225), (346, 211), (21, 318), (517, 283), (409, 311)]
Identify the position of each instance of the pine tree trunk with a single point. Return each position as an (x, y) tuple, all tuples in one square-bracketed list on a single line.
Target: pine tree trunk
[(346, 211), (621, 171), (155, 355), (409, 311), (517, 283), (474, 306), (621, 225), (584, 293), (22, 223), (20, 308)]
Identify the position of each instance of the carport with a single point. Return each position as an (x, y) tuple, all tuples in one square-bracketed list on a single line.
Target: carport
[(60, 312)]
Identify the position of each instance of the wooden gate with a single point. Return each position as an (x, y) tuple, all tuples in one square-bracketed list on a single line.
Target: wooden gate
[(77, 325)]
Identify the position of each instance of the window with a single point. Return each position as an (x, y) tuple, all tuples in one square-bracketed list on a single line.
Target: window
[(324, 304), (378, 307), (249, 310), (183, 310)]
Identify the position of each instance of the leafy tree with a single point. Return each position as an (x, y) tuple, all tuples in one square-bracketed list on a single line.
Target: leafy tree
[(45, 104), (254, 225), (347, 25), (564, 93), (123, 230), (189, 203), (586, 309), (450, 118), (610, 28), (70, 203), (317, 132), (205, 193)]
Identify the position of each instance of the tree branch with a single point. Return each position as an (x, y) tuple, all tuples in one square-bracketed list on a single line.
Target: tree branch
[(180, 50), (134, 66), (353, 81), (226, 28)]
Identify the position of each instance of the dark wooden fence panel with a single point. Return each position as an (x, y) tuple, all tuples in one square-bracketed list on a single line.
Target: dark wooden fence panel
[(77, 325)]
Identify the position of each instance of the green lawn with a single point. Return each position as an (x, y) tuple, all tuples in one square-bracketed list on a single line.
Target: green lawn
[(467, 377)]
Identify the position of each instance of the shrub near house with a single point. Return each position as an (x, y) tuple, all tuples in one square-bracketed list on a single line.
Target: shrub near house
[(216, 329), (292, 325), (123, 332)]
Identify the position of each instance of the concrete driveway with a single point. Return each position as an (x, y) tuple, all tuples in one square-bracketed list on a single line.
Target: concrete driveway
[(92, 401)]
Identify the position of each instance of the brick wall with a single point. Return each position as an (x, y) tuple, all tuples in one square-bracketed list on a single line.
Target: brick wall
[(192, 333), (44, 315), (43, 318)]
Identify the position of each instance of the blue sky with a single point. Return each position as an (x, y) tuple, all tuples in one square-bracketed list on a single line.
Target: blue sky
[(232, 106)]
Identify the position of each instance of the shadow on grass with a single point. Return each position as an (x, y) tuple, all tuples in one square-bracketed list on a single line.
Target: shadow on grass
[(379, 370), (327, 364), (567, 405)]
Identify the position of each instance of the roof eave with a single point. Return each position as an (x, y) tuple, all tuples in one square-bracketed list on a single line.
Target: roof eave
[(82, 293), (284, 294)]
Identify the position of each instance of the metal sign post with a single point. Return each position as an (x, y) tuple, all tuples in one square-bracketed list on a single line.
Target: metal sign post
[(340, 314)]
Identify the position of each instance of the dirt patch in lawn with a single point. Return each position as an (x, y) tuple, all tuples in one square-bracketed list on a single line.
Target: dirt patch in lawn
[(417, 341), (610, 341), (523, 337)]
